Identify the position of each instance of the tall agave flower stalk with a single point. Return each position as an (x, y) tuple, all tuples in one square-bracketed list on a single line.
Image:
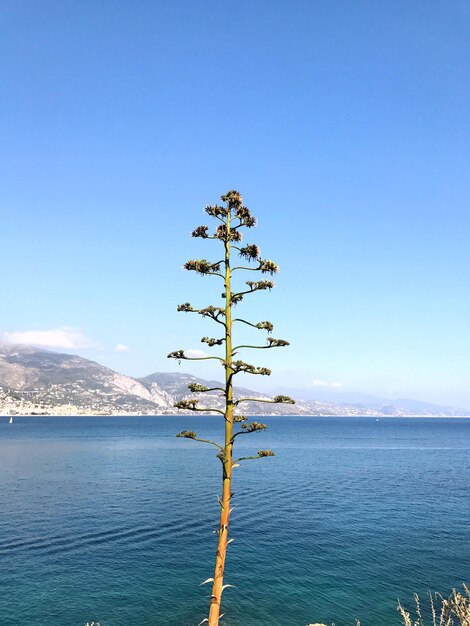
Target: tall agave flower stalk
[(232, 218)]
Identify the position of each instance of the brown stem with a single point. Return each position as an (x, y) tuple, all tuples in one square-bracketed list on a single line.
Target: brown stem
[(216, 597), (218, 584)]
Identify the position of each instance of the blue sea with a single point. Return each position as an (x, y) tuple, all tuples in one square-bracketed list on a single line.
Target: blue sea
[(112, 519)]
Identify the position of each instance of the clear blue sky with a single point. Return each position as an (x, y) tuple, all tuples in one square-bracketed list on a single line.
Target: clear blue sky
[(345, 125)]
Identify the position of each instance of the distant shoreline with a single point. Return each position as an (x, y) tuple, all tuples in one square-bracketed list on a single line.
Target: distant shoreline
[(261, 416)]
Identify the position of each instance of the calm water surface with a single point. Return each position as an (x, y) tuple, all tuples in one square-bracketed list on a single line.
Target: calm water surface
[(112, 519)]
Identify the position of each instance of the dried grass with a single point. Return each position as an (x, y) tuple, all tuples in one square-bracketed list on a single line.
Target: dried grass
[(453, 611)]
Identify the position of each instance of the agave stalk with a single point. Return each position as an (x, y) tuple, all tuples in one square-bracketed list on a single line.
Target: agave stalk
[(232, 218)]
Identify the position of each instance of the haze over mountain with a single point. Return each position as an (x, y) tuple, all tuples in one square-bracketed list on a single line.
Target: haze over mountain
[(343, 397), (38, 381)]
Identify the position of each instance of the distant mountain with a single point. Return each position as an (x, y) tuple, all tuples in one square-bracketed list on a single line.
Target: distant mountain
[(176, 385), (38, 381), (402, 406)]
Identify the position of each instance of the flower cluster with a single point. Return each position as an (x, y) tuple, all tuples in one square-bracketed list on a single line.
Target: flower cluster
[(216, 211), (244, 215), (277, 343), (189, 404), (177, 354), (233, 199), (268, 267), (234, 202), (257, 285), (212, 342), (196, 387), (241, 366), (235, 298), (252, 427), (265, 326), (186, 307), (249, 221), (250, 252), (200, 231), (202, 266), (212, 311), (187, 434), (225, 235), (262, 453), (283, 400)]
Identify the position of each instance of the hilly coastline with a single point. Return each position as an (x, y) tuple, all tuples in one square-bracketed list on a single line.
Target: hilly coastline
[(34, 381)]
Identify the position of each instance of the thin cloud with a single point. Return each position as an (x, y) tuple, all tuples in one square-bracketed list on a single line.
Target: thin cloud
[(121, 347), (63, 337), (194, 354), (324, 383)]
